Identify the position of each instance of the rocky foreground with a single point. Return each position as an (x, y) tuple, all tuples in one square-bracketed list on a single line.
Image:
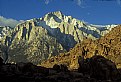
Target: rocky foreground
[(94, 69)]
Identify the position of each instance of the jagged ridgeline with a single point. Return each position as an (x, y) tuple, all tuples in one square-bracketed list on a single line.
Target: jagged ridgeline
[(40, 38)]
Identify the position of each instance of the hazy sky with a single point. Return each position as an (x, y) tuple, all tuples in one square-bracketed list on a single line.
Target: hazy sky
[(91, 11)]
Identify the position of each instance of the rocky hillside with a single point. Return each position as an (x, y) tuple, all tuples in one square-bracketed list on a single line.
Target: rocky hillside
[(40, 38), (107, 46), (4, 30)]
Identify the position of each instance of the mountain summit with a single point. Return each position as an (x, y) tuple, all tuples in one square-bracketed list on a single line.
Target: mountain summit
[(40, 38)]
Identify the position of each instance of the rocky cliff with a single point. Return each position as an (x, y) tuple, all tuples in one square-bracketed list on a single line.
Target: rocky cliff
[(107, 46), (40, 38)]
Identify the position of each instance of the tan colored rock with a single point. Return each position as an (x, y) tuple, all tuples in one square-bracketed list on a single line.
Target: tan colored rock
[(107, 46)]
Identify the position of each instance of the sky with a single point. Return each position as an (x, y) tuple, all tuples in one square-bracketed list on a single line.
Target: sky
[(91, 11)]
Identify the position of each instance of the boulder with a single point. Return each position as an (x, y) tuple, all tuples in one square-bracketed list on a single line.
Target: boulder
[(99, 67), (60, 68)]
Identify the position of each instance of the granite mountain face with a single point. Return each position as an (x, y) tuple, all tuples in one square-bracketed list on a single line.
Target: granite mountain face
[(107, 46), (40, 38)]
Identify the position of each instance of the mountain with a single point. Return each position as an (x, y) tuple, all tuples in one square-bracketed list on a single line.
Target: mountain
[(40, 38), (107, 46)]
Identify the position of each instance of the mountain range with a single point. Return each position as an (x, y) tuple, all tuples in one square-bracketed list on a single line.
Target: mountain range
[(39, 39)]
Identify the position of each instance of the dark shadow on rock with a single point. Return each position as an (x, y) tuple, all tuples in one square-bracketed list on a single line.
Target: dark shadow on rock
[(29, 31), (24, 33), (60, 68), (119, 69), (55, 17), (66, 40), (92, 32), (99, 67), (1, 61)]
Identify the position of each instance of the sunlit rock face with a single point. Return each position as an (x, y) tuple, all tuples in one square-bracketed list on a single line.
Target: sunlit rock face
[(4, 30), (40, 38), (107, 46)]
